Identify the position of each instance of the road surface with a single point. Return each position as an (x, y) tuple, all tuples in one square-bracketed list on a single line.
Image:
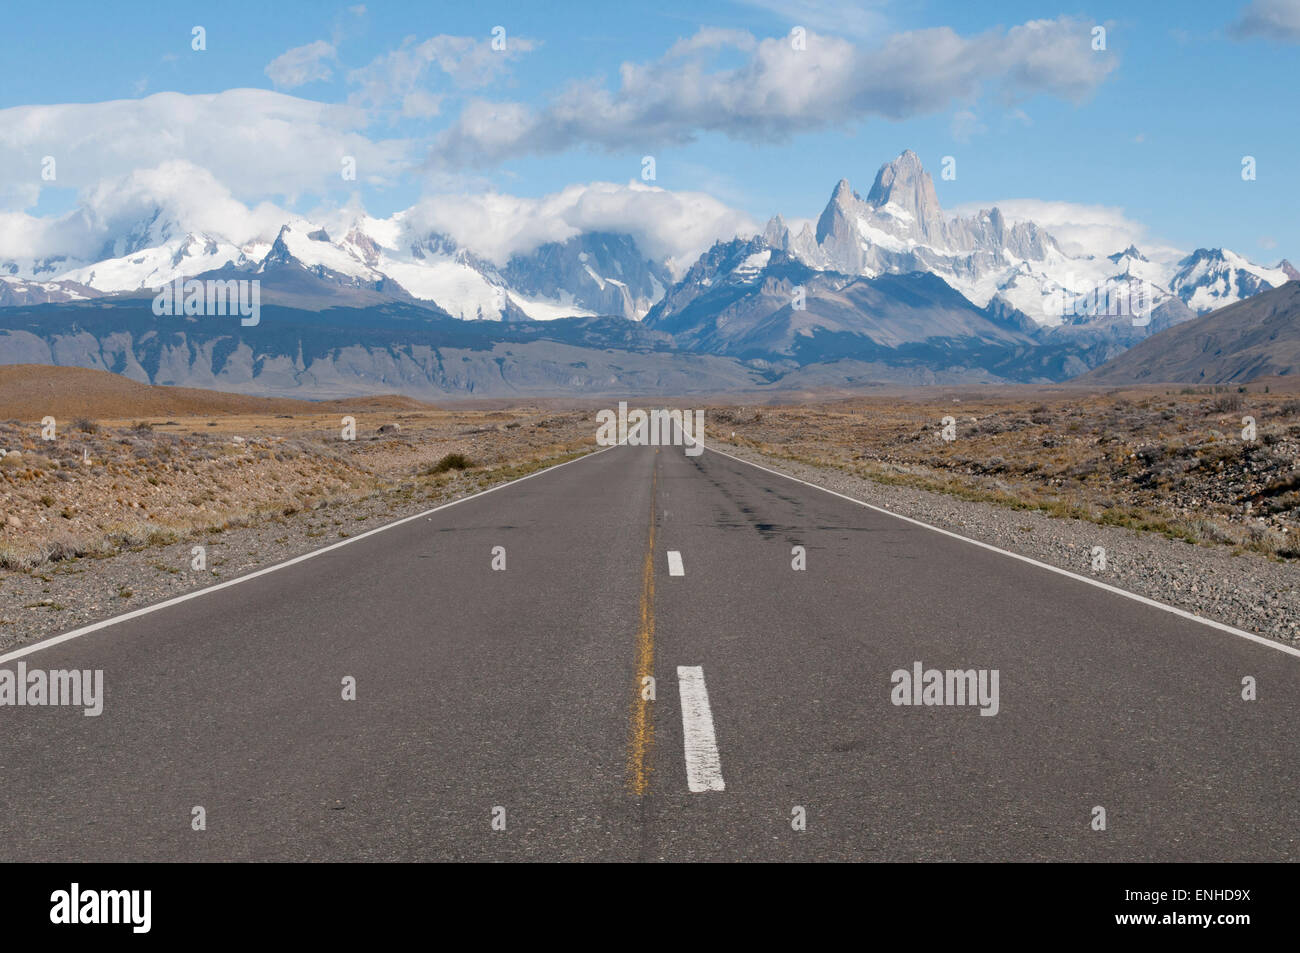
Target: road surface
[(516, 698)]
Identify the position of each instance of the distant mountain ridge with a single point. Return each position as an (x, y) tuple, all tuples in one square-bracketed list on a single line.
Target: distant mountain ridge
[(590, 274), (901, 329), (1257, 337), (899, 227), (884, 287)]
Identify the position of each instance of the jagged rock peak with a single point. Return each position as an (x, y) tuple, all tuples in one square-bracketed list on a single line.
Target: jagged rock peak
[(904, 184), (777, 234), (1130, 252)]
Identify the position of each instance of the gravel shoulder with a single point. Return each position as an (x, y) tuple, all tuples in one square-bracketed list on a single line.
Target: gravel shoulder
[(68, 594), (1243, 589)]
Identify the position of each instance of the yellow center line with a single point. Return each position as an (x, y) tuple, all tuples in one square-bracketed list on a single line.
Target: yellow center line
[(641, 741)]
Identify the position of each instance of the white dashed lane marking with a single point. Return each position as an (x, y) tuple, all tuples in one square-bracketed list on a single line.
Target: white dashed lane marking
[(675, 567), (703, 765)]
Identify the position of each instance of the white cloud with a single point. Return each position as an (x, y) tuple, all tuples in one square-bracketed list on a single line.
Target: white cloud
[(709, 39), (859, 18), (778, 91), (1097, 230), (401, 76), (966, 124), (186, 194), (1274, 19), (178, 197), (259, 144), (677, 226), (421, 104), (174, 194), (302, 65)]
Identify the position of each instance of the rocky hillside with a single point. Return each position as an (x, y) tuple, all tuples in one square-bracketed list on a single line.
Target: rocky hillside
[(1258, 337)]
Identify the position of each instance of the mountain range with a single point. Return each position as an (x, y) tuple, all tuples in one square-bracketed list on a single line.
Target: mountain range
[(886, 287), (1254, 338), (590, 274)]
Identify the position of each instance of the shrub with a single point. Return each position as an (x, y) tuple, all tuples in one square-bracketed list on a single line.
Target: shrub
[(452, 461)]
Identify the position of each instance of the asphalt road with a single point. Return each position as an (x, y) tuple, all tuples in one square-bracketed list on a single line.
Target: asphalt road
[(522, 689)]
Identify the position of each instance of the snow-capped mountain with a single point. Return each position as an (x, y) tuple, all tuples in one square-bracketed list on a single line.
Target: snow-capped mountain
[(435, 268), (39, 269), (302, 245), (1013, 270), (590, 274), (155, 250), (1035, 309), (745, 299), (605, 271), (901, 218), (1212, 278), (899, 227), (18, 292)]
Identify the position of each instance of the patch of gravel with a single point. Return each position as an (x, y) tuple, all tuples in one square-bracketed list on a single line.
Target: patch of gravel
[(1242, 589), (67, 595)]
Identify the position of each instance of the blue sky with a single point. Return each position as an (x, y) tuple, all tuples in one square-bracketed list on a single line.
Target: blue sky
[(1147, 136)]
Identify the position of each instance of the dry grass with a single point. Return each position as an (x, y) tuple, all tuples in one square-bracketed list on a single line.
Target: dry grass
[(36, 390), (1167, 462), (105, 486)]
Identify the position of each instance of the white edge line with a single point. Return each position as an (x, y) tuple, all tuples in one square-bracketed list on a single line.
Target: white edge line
[(185, 597), (1241, 633)]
